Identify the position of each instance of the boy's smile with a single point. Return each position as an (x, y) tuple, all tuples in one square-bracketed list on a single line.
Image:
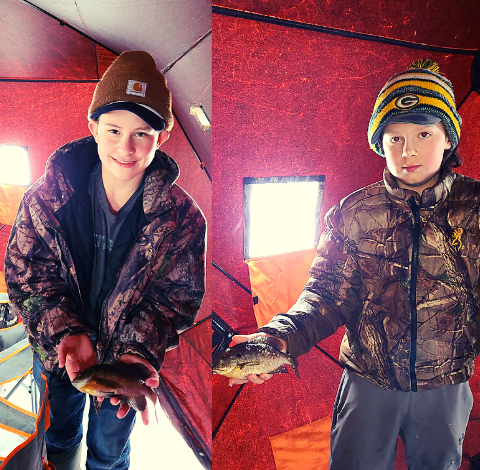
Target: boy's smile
[(126, 147), (414, 153)]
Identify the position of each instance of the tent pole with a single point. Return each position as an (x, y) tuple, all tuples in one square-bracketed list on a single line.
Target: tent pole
[(465, 99), (239, 284), (227, 411), (12, 391), (329, 356), (226, 11)]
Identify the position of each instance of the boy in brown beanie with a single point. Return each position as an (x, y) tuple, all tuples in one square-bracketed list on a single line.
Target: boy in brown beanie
[(106, 259)]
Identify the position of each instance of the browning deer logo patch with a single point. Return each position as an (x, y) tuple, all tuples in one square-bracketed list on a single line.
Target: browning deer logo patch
[(457, 238)]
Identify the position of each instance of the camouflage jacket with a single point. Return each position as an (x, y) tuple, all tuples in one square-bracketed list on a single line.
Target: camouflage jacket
[(401, 272), (156, 293)]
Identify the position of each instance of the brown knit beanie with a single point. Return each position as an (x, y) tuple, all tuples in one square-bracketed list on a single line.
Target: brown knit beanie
[(133, 83)]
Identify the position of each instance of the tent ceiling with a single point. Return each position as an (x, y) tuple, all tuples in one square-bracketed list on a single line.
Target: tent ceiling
[(177, 36)]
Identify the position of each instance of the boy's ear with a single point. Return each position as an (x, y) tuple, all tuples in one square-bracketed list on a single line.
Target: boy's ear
[(448, 144), (162, 137), (93, 126)]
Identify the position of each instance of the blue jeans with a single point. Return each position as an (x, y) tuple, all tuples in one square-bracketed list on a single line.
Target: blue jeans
[(108, 438)]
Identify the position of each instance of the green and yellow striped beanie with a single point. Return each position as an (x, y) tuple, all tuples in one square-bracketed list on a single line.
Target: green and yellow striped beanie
[(419, 95)]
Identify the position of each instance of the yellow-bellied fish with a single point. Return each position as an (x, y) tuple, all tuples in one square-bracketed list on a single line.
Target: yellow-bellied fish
[(125, 381), (260, 354)]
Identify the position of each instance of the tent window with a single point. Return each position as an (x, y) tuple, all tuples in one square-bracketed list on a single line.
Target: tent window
[(14, 165), (281, 214)]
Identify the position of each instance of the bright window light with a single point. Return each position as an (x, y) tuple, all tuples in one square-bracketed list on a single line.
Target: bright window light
[(14, 165), (281, 214)]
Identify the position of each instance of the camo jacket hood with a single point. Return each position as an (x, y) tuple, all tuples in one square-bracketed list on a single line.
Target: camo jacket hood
[(401, 272), (158, 290)]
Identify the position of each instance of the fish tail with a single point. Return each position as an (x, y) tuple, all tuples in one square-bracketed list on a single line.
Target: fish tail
[(138, 402), (294, 365)]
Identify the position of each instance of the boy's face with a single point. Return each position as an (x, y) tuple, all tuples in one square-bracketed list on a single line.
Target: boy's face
[(126, 146), (414, 153)]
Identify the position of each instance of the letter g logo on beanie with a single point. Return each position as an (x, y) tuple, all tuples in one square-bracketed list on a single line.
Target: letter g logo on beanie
[(406, 101)]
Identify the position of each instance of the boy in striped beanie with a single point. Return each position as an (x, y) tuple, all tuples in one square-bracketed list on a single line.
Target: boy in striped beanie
[(419, 100), (420, 95), (398, 266)]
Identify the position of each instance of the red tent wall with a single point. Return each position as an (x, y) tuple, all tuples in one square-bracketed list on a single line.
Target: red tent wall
[(290, 101)]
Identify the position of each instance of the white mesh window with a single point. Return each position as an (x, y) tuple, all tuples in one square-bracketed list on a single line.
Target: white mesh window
[(14, 165), (281, 214)]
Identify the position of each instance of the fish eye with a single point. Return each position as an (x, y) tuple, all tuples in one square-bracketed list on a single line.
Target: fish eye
[(238, 355)]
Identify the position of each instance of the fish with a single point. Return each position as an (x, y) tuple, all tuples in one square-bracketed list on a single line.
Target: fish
[(125, 381), (255, 356)]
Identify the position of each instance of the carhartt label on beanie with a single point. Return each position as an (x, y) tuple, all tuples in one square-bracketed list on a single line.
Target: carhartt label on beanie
[(136, 88), (134, 83), (420, 95)]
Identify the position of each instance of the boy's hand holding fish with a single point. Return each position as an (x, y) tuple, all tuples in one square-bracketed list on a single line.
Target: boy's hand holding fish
[(262, 377), (76, 353), (153, 381), (127, 382)]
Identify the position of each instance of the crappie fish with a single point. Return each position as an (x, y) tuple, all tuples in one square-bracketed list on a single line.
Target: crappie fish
[(125, 381), (260, 354)]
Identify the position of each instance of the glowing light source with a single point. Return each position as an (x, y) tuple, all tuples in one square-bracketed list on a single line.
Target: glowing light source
[(281, 214), (201, 116), (14, 165)]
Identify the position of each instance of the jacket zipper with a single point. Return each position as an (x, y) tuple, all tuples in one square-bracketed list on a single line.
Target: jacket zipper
[(413, 290)]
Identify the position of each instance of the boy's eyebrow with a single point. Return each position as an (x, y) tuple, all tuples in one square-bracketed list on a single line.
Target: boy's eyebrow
[(143, 128)]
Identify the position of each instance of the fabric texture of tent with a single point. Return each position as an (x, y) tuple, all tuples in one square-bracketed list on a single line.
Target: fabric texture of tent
[(277, 281), (10, 197)]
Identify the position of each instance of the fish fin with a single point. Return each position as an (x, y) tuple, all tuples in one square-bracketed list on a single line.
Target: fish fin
[(97, 404), (280, 370), (270, 340), (294, 365), (138, 403)]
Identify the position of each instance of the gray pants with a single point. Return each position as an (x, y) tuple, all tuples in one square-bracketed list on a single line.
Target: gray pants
[(367, 421)]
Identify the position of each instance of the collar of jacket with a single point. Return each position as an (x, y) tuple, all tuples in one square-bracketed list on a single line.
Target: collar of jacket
[(430, 197), (68, 169)]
